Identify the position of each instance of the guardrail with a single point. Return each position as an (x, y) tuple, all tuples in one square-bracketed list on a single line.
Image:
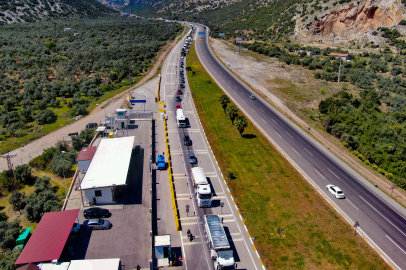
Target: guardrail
[(175, 208), (159, 88)]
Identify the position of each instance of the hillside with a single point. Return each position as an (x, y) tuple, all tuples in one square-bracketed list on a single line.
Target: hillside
[(12, 11), (299, 20)]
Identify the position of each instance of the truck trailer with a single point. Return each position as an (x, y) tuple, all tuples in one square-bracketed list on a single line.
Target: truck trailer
[(220, 250), (202, 187), (180, 118)]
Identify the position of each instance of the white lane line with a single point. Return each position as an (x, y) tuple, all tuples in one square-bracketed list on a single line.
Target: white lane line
[(333, 173), (319, 173), (183, 250), (264, 121), (261, 110), (382, 216), (308, 151), (274, 121), (278, 134), (253, 110), (352, 204), (243, 101), (289, 134), (295, 151), (396, 244)]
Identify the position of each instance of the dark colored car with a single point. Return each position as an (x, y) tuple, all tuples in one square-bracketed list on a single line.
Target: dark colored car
[(178, 99), (96, 212), (192, 158), (182, 85), (187, 141), (91, 125)]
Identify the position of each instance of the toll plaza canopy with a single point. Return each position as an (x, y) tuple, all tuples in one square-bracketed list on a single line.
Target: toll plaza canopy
[(109, 166), (49, 239)]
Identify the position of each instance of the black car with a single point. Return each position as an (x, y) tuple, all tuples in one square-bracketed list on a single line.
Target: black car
[(178, 99), (91, 125), (182, 85), (182, 81), (187, 141), (96, 212)]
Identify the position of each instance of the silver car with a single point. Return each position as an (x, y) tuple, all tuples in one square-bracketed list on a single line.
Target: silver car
[(97, 224)]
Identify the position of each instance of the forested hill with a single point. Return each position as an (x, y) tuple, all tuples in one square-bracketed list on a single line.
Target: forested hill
[(14, 11)]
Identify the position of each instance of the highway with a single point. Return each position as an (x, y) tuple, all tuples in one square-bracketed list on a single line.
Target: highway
[(382, 221), (196, 254)]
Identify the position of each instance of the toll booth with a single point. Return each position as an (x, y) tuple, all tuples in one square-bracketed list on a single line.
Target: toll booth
[(163, 252)]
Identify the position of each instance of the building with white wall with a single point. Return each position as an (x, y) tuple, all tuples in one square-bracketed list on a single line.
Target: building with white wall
[(108, 170), (85, 157)]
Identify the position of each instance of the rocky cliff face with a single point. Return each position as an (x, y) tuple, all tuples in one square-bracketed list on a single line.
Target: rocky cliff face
[(354, 20)]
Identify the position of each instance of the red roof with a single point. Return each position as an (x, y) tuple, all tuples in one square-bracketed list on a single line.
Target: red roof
[(49, 239), (86, 153), (28, 267)]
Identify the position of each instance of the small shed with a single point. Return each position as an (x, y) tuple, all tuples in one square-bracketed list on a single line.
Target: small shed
[(163, 252), (29, 266), (310, 53), (76, 34), (67, 29), (85, 157), (343, 56)]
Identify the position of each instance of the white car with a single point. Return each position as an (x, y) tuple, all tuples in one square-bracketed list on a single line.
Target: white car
[(336, 191), (252, 97)]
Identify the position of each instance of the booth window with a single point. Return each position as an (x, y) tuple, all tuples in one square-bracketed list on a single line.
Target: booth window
[(97, 193)]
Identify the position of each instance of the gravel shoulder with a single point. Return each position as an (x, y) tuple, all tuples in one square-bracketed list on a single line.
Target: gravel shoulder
[(294, 91)]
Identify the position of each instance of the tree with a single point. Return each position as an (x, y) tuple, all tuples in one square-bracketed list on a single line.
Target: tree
[(241, 123), (232, 112), (3, 216), (45, 117), (23, 174), (9, 232), (17, 200), (224, 100), (77, 142), (9, 104), (61, 164), (87, 135), (8, 258)]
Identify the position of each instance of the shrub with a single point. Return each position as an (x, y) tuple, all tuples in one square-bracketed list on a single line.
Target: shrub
[(61, 164), (23, 174), (17, 200), (9, 232), (45, 117)]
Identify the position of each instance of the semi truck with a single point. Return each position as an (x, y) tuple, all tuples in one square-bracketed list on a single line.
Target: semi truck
[(220, 251), (180, 118), (161, 162), (202, 187)]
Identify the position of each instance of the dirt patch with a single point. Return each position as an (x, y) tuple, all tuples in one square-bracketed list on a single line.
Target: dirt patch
[(296, 93)]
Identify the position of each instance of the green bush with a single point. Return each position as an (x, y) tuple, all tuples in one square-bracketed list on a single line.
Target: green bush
[(45, 117)]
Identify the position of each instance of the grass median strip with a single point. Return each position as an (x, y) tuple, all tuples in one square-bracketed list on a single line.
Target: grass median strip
[(291, 224)]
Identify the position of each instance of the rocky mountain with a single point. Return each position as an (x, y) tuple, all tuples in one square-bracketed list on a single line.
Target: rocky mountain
[(300, 20), (12, 11)]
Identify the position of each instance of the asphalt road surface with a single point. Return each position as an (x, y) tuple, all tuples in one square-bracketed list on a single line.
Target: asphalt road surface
[(382, 220), (196, 254)]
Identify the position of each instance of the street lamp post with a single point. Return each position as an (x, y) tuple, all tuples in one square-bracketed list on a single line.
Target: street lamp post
[(63, 171), (81, 195)]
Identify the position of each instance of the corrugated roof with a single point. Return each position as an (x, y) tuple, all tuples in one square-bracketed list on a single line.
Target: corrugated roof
[(86, 153), (109, 166), (218, 235), (105, 264), (48, 240), (28, 267), (23, 235)]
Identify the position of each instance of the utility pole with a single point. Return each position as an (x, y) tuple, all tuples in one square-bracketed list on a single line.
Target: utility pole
[(8, 157), (339, 71), (334, 35)]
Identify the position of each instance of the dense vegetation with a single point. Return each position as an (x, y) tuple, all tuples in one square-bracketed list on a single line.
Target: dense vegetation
[(47, 73), (35, 10)]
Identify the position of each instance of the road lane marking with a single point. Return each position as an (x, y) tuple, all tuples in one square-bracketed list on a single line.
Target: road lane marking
[(183, 250), (264, 121), (243, 101), (289, 134), (333, 173), (296, 151), (352, 204), (261, 110), (396, 244), (274, 121), (319, 173), (278, 134), (253, 110), (308, 151), (382, 216)]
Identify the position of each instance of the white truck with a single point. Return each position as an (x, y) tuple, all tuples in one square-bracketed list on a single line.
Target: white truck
[(202, 187), (220, 250), (180, 118)]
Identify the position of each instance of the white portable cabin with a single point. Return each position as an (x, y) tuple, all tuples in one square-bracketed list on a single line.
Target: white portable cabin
[(163, 252)]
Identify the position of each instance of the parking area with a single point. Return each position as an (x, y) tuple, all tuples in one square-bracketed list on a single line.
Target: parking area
[(129, 236)]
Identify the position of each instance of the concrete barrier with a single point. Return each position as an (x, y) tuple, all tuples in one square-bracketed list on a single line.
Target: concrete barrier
[(175, 208), (159, 88)]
